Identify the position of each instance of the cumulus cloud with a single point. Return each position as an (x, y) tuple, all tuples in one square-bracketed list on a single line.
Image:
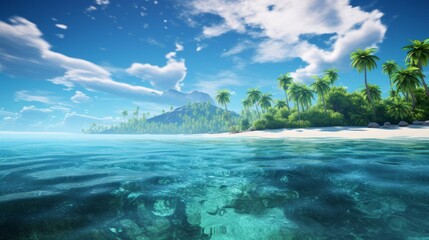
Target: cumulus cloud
[(61, 26), (169, 76), (80, 97), (26, 53), (284, 29)]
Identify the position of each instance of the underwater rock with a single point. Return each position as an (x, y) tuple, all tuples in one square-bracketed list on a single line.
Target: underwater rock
[(402, 124), (155, 225), (270, 225), (164, 207), (193, 215), (131, 229), (373, 125)]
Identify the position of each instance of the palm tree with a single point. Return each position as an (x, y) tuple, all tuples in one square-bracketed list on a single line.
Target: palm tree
[(364, 60), (285, 80), (306, 95), (398, 108), (280, 104), (331, 75), (246, 103), (407, 80), (388, 68), (301, 95), (375, 92), (418, 55), (136, 113), (294, 93), (265, 101), (254, 95), (223, 98), (321, 87), (124, 114)]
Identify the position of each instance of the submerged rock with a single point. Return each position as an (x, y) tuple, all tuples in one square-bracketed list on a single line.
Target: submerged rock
[(131, 229), (373, 125), (402, 124), (164, 207)]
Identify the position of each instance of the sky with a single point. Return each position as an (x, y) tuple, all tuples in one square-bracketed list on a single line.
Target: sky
[(66, 64)]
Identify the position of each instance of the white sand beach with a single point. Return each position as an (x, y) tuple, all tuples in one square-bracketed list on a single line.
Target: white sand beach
[(336, 132)]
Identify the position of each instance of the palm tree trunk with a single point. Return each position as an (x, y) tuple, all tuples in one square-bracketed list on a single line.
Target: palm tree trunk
[(324, 105), (287, 102), (299, 113), (368, 93), (413, 98), (423, 80), (257, 111)]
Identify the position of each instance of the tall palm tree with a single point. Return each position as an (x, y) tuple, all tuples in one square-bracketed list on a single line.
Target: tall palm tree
[(280, 104), (418, 55), (407, 80), (136, 113), (124, 114), (388, 68), (398, 108), (223, 98), (285, 80), (265, 101), (302, 95), (306, 95), (321, 87), (294, 93), (363, 61), (246, 103), (331, 75), (255, 95), (375, 92)]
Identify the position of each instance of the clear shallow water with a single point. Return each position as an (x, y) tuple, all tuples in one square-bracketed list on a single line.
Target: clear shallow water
[(147, 187)]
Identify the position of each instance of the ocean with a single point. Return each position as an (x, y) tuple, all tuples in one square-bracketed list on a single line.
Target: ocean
[(138, 187)]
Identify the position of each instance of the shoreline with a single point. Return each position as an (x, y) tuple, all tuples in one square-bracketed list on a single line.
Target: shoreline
[(343, 132), (340, 132)]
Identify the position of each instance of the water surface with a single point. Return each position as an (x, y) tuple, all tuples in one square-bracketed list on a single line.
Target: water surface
[(65, 186)]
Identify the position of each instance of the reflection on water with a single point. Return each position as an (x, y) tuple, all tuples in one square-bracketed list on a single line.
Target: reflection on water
[(146, 187)]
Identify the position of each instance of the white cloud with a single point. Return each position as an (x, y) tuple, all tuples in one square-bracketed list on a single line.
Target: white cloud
[(169, 76), (80, 97), (240, 47), (179, 47), (283, 29), (28, 96), (61, 26), (91, 8), (26, 53), (211, 83), (102, 2)]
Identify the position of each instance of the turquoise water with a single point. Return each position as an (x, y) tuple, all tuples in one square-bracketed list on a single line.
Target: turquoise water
[(148, 187)]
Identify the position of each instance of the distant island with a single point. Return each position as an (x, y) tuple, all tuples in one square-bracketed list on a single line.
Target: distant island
[(407, 102)]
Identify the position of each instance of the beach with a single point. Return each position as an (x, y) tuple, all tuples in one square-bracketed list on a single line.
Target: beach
[(412, 131)]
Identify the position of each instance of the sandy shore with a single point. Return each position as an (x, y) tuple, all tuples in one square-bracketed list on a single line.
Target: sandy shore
[(336, 132)]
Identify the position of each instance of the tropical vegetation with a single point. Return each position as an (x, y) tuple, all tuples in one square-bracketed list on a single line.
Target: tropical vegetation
[(322, 103)]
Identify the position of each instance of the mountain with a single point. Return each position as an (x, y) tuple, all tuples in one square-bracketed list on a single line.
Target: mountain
[(180, 98), (192, 111)]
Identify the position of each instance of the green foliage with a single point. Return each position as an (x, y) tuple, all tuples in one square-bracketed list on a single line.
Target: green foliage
[(196, 118), (317, 117)]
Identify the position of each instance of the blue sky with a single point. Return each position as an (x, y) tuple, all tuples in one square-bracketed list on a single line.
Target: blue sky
[(64, 64)]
